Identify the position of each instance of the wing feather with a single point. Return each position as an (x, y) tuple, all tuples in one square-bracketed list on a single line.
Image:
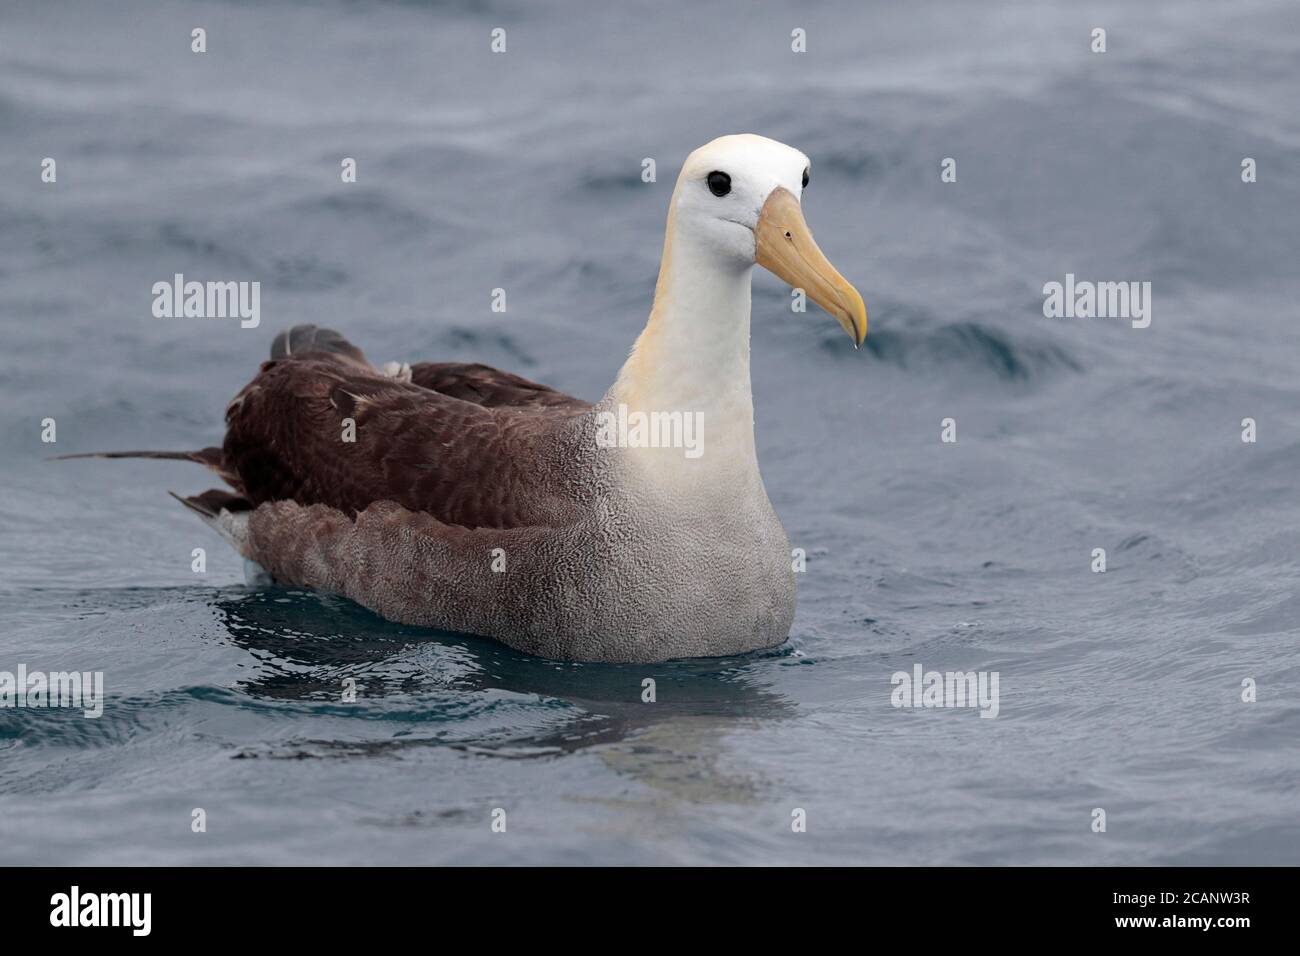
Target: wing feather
[(489, 387), (315, 430)]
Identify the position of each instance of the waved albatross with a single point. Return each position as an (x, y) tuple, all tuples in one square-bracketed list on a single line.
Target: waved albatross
[(477, 501)]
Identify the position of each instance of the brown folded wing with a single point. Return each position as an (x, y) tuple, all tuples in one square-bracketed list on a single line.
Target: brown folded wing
[(466, 444)]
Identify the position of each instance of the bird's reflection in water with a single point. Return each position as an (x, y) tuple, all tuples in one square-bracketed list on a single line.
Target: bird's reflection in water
[(446, 689)]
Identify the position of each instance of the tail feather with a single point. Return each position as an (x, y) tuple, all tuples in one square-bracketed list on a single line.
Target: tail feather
[(204, 456), (211, 503), (224, 513), (211, 458)]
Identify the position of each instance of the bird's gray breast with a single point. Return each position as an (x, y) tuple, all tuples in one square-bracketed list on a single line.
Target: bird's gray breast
[(704, 573)]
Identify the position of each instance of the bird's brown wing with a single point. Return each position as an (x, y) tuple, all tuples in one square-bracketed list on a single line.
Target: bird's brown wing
[(490, 387), (316, 430)]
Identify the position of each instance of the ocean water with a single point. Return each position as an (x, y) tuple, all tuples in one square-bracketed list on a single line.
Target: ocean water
[(1119, 690)]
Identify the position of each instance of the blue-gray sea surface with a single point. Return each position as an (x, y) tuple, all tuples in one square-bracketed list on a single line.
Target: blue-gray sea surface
[(1119, 690)]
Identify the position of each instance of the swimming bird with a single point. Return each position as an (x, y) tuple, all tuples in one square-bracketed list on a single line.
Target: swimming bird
[(467, 498)]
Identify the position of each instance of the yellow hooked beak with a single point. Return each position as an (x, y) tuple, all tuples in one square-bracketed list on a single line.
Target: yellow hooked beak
[(785, 248)]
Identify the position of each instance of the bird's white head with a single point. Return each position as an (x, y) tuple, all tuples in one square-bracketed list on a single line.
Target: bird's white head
[(736, 205), (737, 201)]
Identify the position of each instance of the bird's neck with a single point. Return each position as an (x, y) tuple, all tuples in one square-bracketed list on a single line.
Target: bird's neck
[(693, 356)]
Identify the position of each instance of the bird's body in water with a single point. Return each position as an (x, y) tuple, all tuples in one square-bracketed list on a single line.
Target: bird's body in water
[(467, 498)]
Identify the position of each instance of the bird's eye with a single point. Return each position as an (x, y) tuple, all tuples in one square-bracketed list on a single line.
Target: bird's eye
[(805, 179), (719, 183)]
